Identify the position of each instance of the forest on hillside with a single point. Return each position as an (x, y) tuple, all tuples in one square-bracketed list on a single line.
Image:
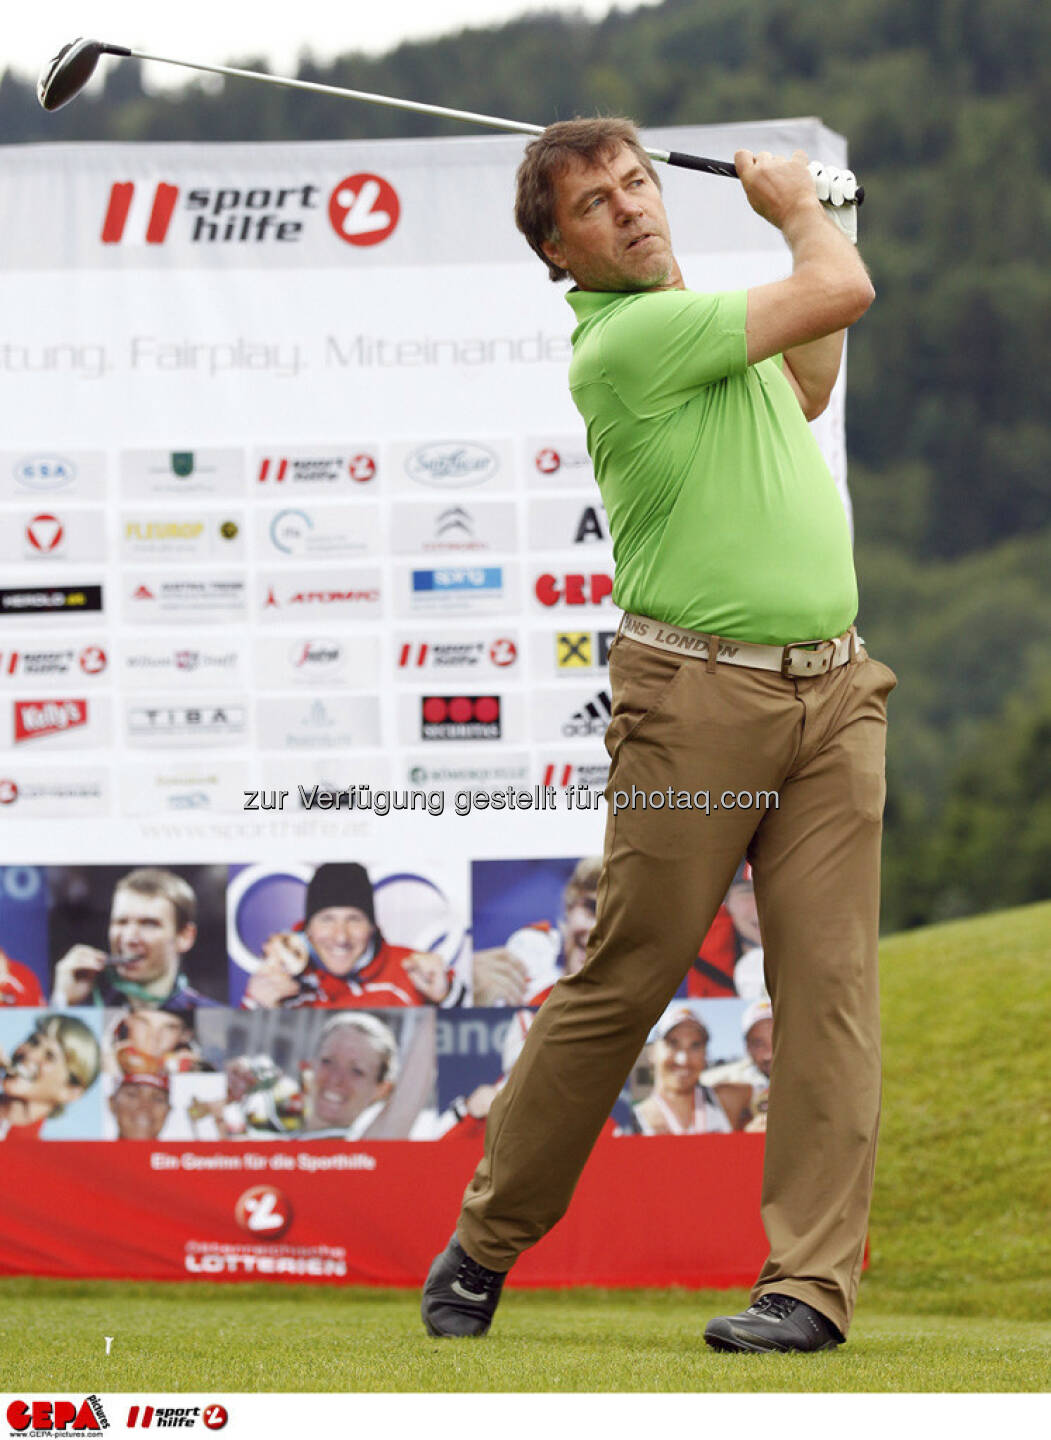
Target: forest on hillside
[(944, 104)]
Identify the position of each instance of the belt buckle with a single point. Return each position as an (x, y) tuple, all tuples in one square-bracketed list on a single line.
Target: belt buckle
[(816, 659)]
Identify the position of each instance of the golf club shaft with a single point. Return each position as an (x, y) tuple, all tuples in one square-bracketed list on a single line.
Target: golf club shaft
[(667, 157)]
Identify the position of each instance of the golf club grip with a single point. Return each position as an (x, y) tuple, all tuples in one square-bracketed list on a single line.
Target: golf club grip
[(723, 167), (698, 162)]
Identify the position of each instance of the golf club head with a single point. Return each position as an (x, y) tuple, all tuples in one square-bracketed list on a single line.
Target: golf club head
[(63, 78)]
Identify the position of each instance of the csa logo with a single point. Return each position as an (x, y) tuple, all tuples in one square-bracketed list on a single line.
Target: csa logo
[(364, 209), (264, 1211), (47, 1417), (45, 472)]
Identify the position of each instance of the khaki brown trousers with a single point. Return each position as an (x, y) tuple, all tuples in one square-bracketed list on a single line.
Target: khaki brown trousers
[(696, 726)]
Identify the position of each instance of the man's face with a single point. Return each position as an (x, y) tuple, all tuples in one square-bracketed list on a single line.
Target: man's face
[(39, 1073), (680, 1057), (139, 1110), (613, 232), (760, 1043), (155, 1032), (340, 935), (346, 1079), (740, 902), (144, 938), (577, 924)]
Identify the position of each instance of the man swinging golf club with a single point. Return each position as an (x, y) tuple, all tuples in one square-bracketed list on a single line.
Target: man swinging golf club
[(737, 668)]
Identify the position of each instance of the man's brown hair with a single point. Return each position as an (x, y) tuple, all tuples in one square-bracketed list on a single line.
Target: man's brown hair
[(153, 882), (549, 155)]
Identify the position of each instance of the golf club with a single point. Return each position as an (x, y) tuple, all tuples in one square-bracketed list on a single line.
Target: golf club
[(63, 78)]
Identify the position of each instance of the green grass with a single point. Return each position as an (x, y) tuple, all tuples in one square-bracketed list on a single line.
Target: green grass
[(958, 1296)]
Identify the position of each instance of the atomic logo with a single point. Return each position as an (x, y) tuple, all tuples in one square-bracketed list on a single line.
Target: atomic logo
[(263, 1211), (44, 533), (364, 209)]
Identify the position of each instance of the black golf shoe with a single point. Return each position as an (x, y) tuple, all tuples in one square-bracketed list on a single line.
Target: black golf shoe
[(460, 1296), (774, 1323)]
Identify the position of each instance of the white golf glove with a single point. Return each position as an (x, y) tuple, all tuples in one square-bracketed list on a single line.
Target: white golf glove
[(836, 190)]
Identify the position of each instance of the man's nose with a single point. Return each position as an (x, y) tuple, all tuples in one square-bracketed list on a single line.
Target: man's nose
[(627, 205)]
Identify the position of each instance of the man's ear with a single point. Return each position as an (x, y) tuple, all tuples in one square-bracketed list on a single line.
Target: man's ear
[(554, 252), (185, 937)]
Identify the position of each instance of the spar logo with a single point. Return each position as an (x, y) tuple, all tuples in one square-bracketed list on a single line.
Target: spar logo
[(35, 719), (552, 590), (264, 1211), (364, 209), (49, 1417), (460, 717)]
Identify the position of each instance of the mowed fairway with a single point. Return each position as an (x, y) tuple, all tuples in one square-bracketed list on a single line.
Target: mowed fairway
[(958, 1296)]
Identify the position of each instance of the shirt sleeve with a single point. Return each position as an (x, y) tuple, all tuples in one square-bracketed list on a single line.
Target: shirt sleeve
[(660, 350)]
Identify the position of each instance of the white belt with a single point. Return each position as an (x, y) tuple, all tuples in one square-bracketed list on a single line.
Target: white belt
[(801, 658)]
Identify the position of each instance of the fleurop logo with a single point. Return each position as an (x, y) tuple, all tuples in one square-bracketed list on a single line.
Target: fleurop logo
[(364, 209), (460, 717), (47, 1417), (264, 1211)]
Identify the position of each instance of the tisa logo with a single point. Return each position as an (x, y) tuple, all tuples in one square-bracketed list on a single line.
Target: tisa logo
[(450, 463), (36, 718)]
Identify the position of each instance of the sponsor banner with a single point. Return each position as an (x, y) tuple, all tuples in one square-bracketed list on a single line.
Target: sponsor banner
[(564, 714), (564, 767), (52, 662), (456, 466), (182, 787), (456, 526), (448, 715), (149, 664), (562, 522), (295, 595), (53, 533), (342, 470), (58, 722), (320, 722), (40, 602), (52, 475), (317, 660), (163, 721), (420, 654), (466, 769), (162, 535), (306, 778), (317, 532), (58, 792), (557, 462), (455, 589), (569, 654), (151, 599), (555, 589), (188, 474)]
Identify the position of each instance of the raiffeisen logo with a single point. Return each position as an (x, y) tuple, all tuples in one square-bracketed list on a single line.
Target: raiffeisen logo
[(361, 209)]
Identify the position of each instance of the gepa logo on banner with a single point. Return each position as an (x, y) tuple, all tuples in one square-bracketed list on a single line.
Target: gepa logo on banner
[(360, 209), (56, 1417)]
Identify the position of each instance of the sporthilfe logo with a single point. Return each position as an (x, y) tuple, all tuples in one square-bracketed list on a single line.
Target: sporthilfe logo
[(364, 209)]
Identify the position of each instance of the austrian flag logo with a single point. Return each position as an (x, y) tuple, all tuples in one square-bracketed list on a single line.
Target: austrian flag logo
[(155, 222)]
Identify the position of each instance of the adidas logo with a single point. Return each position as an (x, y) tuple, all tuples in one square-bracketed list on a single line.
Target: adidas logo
[(592, 718)]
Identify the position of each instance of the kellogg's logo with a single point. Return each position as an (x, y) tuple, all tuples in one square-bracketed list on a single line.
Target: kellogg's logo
[(448, 463)]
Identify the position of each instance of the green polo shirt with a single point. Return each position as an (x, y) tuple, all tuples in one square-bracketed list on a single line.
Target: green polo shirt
[(724, 516)]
